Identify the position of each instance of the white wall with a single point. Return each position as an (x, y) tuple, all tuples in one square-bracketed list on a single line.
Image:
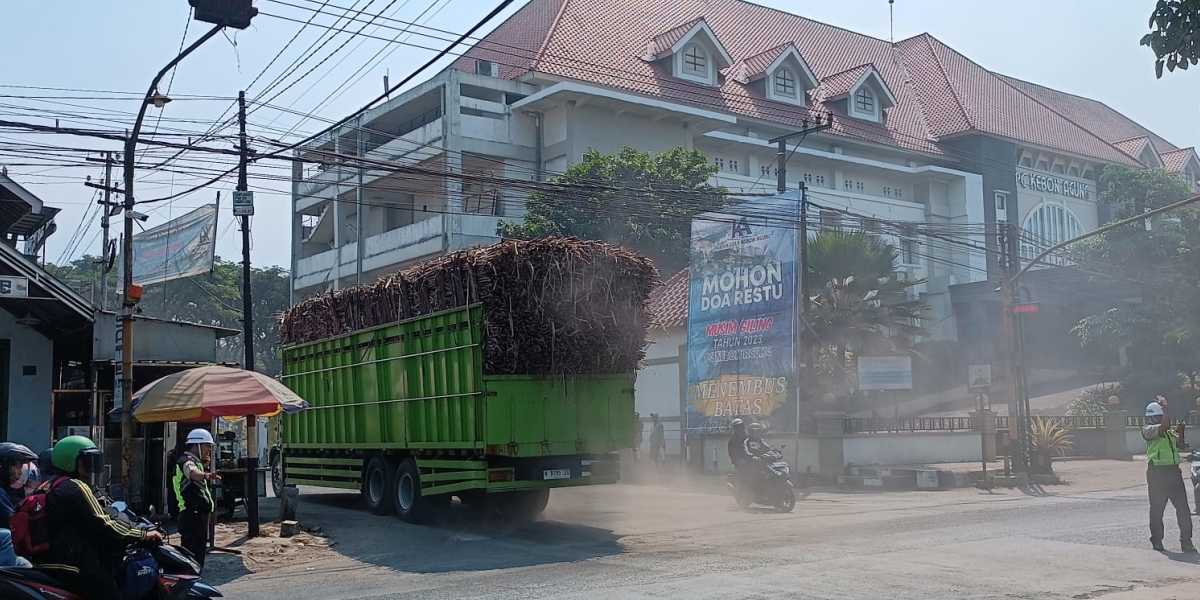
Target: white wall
[(29, 396), (717, 447), (911, 448)]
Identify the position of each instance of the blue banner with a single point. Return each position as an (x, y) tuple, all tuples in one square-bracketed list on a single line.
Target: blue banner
[(742, 317)]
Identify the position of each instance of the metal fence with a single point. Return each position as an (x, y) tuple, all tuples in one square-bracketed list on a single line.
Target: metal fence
[(885, 425), (910, 424)]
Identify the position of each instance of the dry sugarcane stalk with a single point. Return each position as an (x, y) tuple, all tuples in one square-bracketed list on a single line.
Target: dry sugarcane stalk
[(587, 299)]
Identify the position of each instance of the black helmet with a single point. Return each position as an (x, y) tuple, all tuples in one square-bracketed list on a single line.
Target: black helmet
[(734, 424), (11, 453), (45, 462)]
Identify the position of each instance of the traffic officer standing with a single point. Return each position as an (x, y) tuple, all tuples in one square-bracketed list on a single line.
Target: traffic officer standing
[(192, 493), (1163, 478)]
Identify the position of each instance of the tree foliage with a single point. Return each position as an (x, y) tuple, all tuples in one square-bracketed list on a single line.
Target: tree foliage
[(214, 299), (635, 199), (1161, 331), (1173, 35), (859, 304)]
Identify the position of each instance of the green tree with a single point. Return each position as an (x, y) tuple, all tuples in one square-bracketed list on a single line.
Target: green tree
[(1159, 332), (1174, 34), (859, 304), (213, 299), (635, 199)]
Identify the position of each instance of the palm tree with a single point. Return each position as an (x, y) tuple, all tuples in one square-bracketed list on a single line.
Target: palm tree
[(858, 301)]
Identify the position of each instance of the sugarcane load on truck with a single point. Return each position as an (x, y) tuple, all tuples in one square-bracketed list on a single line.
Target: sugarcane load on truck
[(491, 375)]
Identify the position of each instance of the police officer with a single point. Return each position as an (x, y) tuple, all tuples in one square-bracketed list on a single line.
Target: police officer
[(192, 493), (1163, 478)]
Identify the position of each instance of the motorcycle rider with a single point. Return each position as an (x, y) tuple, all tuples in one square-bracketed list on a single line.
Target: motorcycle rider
[(86, 544), (755, 448), (192, 493), (737, 449), (14, 470)]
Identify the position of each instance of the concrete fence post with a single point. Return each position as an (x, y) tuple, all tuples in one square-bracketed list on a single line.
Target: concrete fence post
[(831, 429), (987, 428), (1115, 445)]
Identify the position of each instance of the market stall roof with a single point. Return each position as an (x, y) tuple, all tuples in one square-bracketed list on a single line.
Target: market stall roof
[(47, 305)]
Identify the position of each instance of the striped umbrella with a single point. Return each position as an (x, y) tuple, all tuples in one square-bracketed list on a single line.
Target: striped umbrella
[(207, 393)]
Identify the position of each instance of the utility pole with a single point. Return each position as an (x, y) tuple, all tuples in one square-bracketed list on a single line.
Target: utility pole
[(108, 211), (1013, 352), (246, 210), (108, 164), (781, 158), (361, 242), (221, 14)]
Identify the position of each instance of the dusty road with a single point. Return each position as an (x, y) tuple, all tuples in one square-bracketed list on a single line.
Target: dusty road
[(1085, 540)]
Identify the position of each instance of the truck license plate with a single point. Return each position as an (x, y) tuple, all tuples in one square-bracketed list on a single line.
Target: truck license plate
[(549, 474)]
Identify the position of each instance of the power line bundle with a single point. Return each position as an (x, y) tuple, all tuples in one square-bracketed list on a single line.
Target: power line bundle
[(549, 306)]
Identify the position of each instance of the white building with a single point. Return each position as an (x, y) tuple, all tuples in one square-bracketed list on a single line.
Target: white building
[(920, 133)]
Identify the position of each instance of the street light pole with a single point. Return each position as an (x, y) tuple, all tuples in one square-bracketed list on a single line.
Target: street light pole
[(131, 294)]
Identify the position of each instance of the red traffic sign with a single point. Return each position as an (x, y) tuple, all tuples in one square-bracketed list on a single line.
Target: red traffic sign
[(1022, 309)]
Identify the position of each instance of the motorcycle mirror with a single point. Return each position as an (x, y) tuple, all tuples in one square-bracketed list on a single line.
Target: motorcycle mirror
[(783, 446)]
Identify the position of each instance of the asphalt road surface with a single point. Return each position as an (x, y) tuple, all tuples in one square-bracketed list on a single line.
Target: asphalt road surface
[(646, 541)]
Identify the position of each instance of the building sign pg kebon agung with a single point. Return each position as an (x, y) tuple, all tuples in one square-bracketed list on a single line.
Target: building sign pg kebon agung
[(741, 317)]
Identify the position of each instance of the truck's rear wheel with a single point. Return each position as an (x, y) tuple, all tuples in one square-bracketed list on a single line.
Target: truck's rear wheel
[(379, 479), (524, 505), (277, 478), (410, 506)]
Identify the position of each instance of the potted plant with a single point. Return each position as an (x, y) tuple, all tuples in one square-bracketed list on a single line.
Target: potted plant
[(1047, 439)]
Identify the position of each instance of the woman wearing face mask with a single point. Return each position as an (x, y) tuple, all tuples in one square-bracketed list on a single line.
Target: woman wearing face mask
[(15, 462)]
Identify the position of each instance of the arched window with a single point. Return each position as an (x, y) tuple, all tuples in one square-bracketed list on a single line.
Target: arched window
[(695, 60), (785, 83), (864, 101), (1049, 224)]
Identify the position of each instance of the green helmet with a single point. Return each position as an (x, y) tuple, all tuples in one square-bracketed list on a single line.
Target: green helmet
[(68, 450)]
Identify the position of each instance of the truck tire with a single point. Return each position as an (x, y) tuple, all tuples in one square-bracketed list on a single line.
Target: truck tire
[(524, 506), (410, 506), (379, 479), (277, 476)]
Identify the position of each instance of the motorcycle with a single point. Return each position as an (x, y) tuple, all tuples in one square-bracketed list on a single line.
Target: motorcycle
[(178, 573), (772, 485)]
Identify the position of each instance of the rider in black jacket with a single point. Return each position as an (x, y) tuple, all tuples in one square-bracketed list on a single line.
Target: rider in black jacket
[(85, 543)]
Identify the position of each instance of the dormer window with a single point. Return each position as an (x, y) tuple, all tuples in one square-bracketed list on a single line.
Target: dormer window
[(860, 91), (864, 102), (785, 83), (695, 61), (690, 51)]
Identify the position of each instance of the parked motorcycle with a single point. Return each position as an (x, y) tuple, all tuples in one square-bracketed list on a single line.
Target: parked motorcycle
[(178, 573), (772, 486)]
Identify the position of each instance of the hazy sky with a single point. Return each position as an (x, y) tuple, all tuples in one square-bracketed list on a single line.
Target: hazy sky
[(1086, 47)]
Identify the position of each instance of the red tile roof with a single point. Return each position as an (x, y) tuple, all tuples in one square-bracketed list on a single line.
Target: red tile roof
[(1133, 146), (939, 93), (756, 66), (663, 42), (669, 302), (839, 84), (1176, 160)]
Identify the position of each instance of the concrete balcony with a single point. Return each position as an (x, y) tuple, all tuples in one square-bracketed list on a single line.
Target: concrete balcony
[(401, 245)]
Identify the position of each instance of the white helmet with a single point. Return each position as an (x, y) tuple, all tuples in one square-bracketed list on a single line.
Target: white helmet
[(199, 436), (1154, 409)]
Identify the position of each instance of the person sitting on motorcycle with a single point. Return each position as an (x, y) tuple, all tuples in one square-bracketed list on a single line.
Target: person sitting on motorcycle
[(86, 544), (14, 469), (737, 448), (755, 447)]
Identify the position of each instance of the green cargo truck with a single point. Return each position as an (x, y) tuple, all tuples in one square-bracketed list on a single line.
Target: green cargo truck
[(405, 414)]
